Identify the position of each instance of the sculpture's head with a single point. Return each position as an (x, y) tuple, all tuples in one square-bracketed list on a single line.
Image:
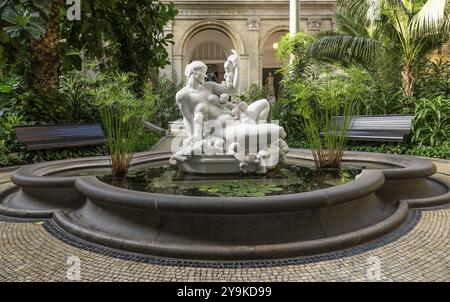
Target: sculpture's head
[(224, 98), (229, 67), (232, 62), (197, 70)]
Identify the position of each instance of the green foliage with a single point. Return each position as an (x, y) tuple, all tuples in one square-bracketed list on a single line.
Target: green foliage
[(129, 33), (253, 93), (239, 188), (10, 89), (160, 99), (77, 86), (351, 86), (390, 44), (440, 151), (106, 34), (122, 114), (433, 78), (317, 104), (431, 124), (20, 21), (291, 53), (8, 144)]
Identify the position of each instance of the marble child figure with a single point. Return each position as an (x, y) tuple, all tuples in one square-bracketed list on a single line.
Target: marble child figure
[(215, 126)]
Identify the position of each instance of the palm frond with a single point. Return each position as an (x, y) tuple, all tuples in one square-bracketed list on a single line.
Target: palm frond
[(356, 8), (345, 48), (351, 25), (433, 17)]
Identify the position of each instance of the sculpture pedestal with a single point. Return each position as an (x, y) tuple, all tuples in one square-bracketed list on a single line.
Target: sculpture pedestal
[(216, 164), (221, 164)]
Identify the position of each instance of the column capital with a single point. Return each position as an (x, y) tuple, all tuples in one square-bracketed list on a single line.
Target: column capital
[(254, 24), (314, 24)]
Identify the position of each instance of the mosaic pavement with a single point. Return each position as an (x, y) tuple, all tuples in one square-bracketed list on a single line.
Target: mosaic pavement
[(418, 251)]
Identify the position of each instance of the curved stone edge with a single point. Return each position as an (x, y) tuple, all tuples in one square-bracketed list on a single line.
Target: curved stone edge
[(31, 176), (412, 167), (432, 201), (366, 184), (29, 181), (21, 213), (271, 251), (243, 252)]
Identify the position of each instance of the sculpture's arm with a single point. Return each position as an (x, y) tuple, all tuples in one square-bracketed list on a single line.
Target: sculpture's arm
[(236, 81), (219, 89), (187, 112), (230, 105), (234, 58)]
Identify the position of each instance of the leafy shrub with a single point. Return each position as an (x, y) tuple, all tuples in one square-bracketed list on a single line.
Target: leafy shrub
[(253, 93), (16, 97), (76, 87), (434, 78), (160, 99), (10, 92), (351, 86), (9, 148), (441, 151), (431, 123), (291, 53)]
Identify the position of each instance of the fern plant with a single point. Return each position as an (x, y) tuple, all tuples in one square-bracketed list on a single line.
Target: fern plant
[(431, 123)]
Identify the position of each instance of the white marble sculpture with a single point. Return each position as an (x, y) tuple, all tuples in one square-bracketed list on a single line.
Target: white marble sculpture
[(217, 128)]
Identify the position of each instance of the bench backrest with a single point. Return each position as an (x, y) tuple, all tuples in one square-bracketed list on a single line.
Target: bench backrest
[(60, 136), (378, 127)]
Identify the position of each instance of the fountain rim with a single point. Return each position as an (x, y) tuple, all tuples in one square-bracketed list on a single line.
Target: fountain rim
[(90, 186)]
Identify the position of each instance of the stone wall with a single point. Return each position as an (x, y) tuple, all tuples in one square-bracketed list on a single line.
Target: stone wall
[(248, 23)]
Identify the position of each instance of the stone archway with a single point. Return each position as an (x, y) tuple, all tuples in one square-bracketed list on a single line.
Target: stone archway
[(268, 62), (267, 47), (211, 25), (210, 32), (212, 53)]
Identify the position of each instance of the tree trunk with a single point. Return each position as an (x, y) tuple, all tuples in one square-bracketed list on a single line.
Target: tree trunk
[(408, 81), (97, 34), (45, 54)]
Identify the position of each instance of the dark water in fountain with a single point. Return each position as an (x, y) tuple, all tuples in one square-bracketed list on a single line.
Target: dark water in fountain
[(286, 179)]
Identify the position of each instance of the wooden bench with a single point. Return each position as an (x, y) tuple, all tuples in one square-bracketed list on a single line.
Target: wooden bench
[(60, 136), (381, 128)]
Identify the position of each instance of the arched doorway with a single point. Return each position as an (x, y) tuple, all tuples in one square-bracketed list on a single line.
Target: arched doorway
[(270, 66), (212, 47)]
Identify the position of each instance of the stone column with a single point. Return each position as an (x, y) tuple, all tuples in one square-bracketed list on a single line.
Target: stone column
[(294, 10), (260, 69), (177, 67), (244, 69), (252, 45), (168, 71)]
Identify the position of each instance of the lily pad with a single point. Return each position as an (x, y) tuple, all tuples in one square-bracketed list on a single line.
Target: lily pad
[(234, 188)]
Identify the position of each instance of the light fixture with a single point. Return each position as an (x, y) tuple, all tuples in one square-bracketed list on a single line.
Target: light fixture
[(275, 46)]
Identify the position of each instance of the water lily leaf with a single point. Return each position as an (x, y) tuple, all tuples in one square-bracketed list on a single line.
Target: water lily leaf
[(234, 188)]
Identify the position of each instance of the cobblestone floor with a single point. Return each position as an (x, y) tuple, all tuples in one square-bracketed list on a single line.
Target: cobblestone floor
[(29, 253)]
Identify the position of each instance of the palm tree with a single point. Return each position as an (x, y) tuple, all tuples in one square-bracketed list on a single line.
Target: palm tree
[(386, 36), (45, 52)]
